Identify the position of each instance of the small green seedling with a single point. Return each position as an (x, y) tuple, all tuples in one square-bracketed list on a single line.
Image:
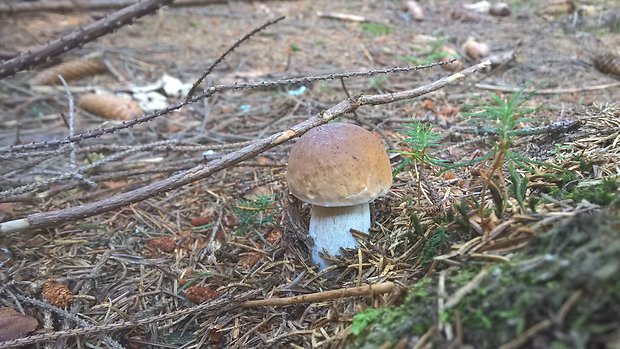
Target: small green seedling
[(420, 139), (255, 211), (504, 119)]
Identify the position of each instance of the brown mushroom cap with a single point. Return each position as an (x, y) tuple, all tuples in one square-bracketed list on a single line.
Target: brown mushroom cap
[(338, 164)]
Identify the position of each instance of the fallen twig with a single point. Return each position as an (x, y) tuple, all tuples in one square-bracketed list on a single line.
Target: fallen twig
[(364, 290), (466, 289), (548, 91), (47, 219), (342, 16), (77, 38), (90, 5)]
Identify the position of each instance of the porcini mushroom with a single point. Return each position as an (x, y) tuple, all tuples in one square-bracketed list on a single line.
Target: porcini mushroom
[(338, 168)]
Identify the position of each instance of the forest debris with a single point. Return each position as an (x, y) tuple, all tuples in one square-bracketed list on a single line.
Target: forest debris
[(174, 87), (274, 236), (250, 259), (501, 58), (201, 220), (199, 294), (110, 106), (57, 294), (229, 220), (500, 9), (151, 101), (607, 63), (415, 10), (449, 54), (71, 70), (475, 49), (480, 6), (163, 243), (14, 325), (342, 16), (556, 7), (79, 37)]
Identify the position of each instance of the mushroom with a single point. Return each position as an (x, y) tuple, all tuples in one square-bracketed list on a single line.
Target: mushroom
[(338, 168)]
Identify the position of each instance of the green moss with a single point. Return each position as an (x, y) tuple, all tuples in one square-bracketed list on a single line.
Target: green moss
[(578, 257), (375, 327), (601, 193), (375, 29), (435, 243)]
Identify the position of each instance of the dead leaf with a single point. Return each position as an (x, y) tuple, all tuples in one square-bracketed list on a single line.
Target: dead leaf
[(14, 325)]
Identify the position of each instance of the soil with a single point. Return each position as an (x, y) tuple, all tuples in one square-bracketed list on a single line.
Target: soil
[(532, 268)]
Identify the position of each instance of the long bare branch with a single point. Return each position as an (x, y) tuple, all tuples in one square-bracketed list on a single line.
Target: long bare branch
[(209, 91), (89, 5), (48, 219)]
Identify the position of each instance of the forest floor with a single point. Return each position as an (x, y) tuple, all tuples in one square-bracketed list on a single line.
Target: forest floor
[(505, 235)]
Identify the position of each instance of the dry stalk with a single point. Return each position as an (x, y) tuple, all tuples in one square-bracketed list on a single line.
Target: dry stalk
[(48, 219), (365, 290)]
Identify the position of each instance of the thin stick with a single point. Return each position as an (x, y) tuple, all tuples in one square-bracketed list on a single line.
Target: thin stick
[(78, 38), (219, 60), (72, 157), (466, 289), (527, 335), (47, 219), (365, 290), (71, 174), (548, 91)]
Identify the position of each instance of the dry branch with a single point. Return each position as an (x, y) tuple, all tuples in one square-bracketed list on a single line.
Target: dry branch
[(91, 5), (78, 38), (48, 219), (365, 290)]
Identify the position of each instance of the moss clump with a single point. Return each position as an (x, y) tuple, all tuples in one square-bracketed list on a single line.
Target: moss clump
[(376, 327), (601, 194), (577, 258), (434, 245)]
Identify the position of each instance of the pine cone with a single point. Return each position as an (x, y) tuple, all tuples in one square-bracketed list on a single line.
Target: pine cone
[(110, 106), (607, 63), (71, 70)]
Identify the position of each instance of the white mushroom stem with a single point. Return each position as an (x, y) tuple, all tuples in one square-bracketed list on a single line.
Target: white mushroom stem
[(330, 228)]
